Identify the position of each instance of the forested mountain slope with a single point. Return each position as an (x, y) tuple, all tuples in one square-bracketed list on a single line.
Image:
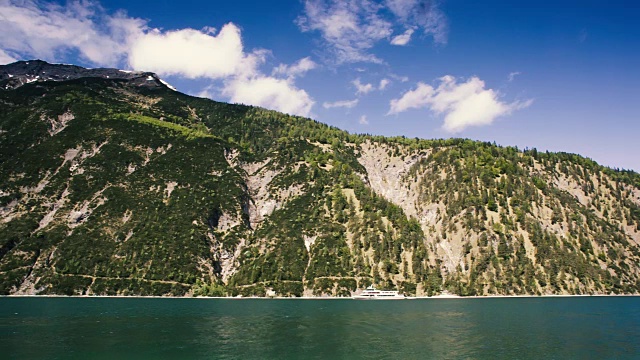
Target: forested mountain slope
[(124, 186)]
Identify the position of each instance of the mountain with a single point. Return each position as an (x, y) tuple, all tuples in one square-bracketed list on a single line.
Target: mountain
[(113, 183), (24, 72)]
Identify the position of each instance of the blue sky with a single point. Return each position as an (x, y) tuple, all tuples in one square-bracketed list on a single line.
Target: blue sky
[(558, 76)]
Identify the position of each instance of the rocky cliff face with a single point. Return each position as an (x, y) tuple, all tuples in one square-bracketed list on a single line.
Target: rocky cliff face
[(111, 183)]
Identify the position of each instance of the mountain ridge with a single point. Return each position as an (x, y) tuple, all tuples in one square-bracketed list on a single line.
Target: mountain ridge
[(112, 187), (24, 72)]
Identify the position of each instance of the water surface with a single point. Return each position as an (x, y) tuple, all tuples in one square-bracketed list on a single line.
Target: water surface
[(492, 328)]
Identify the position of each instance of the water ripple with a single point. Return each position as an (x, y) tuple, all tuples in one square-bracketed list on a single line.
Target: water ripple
[(315, 329)]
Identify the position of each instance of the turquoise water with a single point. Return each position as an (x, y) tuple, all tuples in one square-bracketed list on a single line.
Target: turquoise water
[(519, 328)]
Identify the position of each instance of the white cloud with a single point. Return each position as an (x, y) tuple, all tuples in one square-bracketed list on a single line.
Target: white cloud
[(463, 104), (399, 78), (48, 30), (363, 120), (193, 53), (402, 8), (190, 53), (362, 88), (424, 14), (351, 28), (298, 69), (6, 58), (269, 92), (209, 30), (402, 39), (208, 92), (412, 99), (513, 75), (51, 31), (341, 103)]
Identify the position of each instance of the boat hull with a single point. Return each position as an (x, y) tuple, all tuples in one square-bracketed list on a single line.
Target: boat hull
[(371, 293), (358, 297)]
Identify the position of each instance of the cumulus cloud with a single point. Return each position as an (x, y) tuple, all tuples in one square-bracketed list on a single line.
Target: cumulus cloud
[(36, 29), (193, 53), (363, 120), (341, 104), (298, 69), (362, 88), (269, 92), (513, 75), (351, 28), (190, 53), (402, 39), (412, 99), (462, 104)]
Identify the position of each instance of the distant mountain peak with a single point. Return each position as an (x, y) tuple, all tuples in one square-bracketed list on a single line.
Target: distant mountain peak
[(24, 72)]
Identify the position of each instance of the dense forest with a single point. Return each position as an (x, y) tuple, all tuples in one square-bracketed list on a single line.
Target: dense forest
[(110, 187)]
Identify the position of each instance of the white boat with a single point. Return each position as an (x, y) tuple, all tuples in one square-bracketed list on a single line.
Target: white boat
[(371, 293)]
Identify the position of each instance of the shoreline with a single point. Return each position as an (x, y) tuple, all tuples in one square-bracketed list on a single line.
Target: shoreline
[(437, 297)]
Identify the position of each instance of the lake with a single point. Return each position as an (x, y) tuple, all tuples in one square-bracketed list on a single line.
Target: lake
[(490, 328)]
